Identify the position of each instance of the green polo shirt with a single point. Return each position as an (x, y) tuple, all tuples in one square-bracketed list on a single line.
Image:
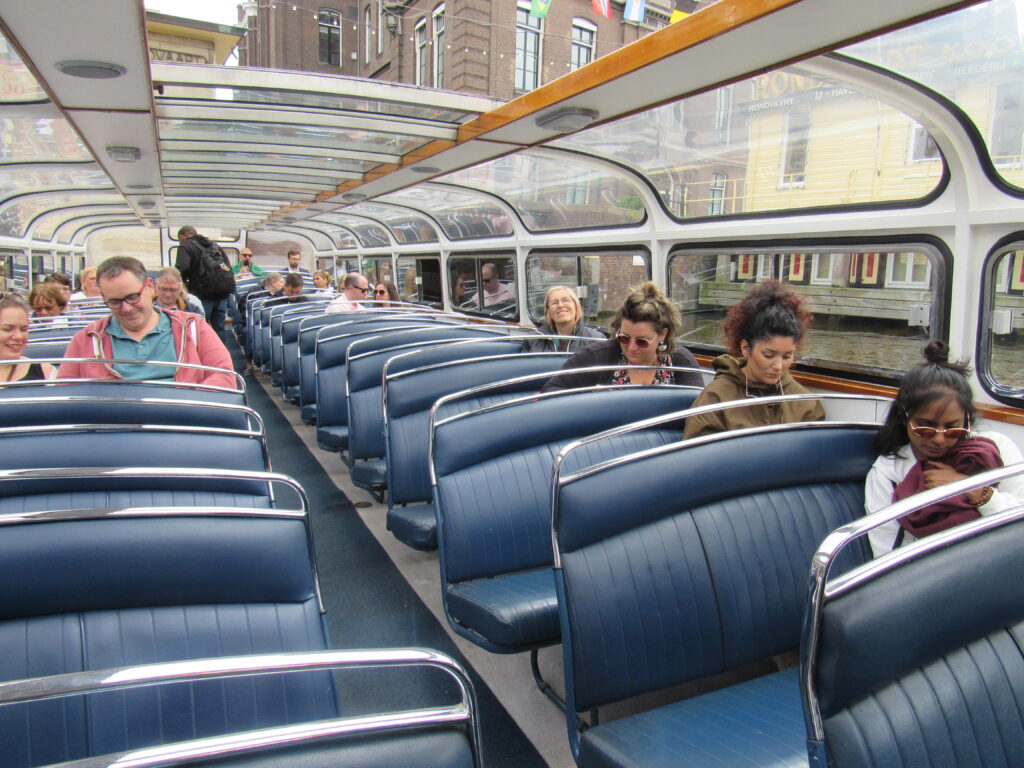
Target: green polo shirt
[(256, 271), (158, 344)]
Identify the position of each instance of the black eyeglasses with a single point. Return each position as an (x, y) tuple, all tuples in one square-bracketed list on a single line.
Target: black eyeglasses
[(131, 298), (640, 342), (364, 290)]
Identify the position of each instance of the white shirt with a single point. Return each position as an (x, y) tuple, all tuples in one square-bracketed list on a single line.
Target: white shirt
[(342, 304), (888, 471)]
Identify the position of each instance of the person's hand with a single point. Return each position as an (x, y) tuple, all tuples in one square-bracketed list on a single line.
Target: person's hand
[(936, 473)]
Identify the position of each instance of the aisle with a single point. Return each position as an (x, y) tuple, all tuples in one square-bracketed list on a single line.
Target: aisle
[(369, 603)]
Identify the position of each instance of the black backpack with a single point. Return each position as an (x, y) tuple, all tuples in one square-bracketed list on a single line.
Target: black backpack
[(211, 277)]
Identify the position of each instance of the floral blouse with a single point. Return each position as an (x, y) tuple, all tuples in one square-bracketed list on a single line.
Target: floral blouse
[(661, 376)]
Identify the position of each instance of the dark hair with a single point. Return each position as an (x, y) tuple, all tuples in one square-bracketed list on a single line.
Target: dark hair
[(188, 229), (293, 280), (768, 310), (48, 291), (647, 304), (294, 251), (60, 277), (391, 288), (935, 379), (115, 265)]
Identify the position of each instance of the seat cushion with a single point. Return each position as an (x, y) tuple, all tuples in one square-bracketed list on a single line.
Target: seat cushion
[(759, 722), (414, 525), (308, 413), (514, 611), (291, 393), (370, 473), (332, 438)]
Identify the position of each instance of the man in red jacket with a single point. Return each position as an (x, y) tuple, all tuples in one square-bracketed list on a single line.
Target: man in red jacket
[(138, 330)]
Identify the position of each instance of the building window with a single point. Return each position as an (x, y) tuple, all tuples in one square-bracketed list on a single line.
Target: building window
[(922, 145), (822, 265), (1008, 125), (527, 49), (330, 37), (723, 114), (908, 270), (794, 156), (584, 39), (420, 37), (381, 26), (716, 195), (438, 18), (367, 34)]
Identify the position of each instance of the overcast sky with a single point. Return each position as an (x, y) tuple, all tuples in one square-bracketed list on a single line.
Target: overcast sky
[(219, 11)]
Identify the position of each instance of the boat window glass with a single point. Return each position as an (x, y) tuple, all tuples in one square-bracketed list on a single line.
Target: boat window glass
[(377, 270), (406, 227), (44, 139), (419, 279), (552, 192), (462, 214), (15, 270), (485, 284), (875, 304), (46, 226), (601, 278), (17, 83), (779, 141), (15, 218), (369, 233), (14, 182), (1001, 359), (975, 57)]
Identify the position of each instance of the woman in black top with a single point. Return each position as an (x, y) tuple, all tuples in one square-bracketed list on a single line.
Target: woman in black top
[(13, 339)]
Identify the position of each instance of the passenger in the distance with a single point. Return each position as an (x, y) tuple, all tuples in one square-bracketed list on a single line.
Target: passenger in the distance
[(322, 283), (49, 304), (563, 316), (291, 293), (927, 442), (646, 327), (13, 339), (172, 294), (353, 288), (763, 332), (385, 293), (87, 288)]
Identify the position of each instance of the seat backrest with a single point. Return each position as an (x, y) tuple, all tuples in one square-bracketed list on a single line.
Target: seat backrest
[(493, 470), (414, 382), (290, 360), (41, 350), (125, 389), (52, 409), (713, 535), (275, 342), (916, 658)]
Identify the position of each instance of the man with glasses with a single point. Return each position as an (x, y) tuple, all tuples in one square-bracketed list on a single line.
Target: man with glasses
[(495, 292), (354, 289), (245, 267), (136, 330)]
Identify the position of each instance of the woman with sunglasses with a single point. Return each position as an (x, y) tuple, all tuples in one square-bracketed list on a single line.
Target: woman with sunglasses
[(763, 332), (926, 442), (563, 316), (645, 329), (13, 340), (386, 292)]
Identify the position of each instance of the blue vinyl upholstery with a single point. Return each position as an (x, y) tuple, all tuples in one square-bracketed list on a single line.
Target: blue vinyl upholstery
[(314, 306), (697, 569), (414, 382), (49, 406), (922, 665), (493, 470), (125, 390), (309, 330)]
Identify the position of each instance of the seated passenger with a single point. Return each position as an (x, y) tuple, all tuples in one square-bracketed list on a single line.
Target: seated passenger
[(352, 288), (172, 294), (762, 332), (13, 339), (385, 293), (245, 268), (322, 283), (87, 288), (926, 442), (495, 291), (292, 292), (646, 327), (138, 330), (49, 304), (563, 316)]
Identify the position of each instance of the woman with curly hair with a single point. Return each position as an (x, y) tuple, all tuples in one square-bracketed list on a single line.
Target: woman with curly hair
[(762, 333), (643, 347)]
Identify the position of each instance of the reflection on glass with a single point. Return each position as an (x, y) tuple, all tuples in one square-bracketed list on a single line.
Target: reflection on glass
[(554, 193), (602, 279), (16, 217), (974, 57), (1006, 347), (46, 226), (777, 141), (405, 226), (27, 140), (376, 271), (368, 233), (18, 182), (875, 307), (462, 215), (419, 279), (485, 284), (17, 84)]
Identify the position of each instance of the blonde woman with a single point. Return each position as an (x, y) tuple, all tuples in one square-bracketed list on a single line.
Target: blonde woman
[(563, 316)]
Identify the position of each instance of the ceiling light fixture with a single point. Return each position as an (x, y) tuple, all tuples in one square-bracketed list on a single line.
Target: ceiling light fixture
[(567, 119), (91, 70), (139, 186), (353, 197), (425, 169), (124, 154), (147, 204)]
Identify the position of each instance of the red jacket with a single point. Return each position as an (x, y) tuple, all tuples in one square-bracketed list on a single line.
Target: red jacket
[(197, 343)]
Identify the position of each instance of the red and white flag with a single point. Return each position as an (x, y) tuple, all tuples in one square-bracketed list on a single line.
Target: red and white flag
[(602, 7)]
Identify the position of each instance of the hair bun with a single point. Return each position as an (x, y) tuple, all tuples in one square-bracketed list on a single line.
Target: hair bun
[(937, 351)]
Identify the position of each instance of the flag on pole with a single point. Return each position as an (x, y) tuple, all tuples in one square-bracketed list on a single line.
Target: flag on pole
[(539, 8), (635, 10), (602, 8)]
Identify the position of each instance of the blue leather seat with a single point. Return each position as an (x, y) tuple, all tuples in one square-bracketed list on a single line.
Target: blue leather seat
[(413, 382), (312, 307), (492, 472), (309, 328), (125, 390), (713, 538)]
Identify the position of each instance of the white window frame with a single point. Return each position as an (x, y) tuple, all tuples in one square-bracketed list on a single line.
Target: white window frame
[(1016, 160), (723, 114), (891, 280), (381, 26), (419, 35), (367, 35), (817, 259), (538, 32), (438, 41), (578, 45), (716, 193), (788, 180)]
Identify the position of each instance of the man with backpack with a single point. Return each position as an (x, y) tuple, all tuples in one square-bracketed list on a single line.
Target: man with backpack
[(207, 272)]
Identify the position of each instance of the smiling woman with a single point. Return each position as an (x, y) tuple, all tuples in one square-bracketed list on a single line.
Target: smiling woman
[(13, 339)]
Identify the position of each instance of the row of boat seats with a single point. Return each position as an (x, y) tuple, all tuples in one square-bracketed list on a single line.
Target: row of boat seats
[(492, 474), (413, 382)]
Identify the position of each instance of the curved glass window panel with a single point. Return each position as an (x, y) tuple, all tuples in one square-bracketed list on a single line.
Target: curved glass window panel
[(419, 279), (602, 279), (17, 216), (774, 142), (872, 304), (243, 178), (974, 57), (376, 270), (17, 182), (485, 284), (17, 83), (347, 139), (370, 234), (46, 225), (28, 140), (556, 193), (332, 101), (1005, 361), (406, 227), (334, 165), (461, 215)]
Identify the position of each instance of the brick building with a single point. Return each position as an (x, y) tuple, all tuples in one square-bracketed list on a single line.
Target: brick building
[(487, 47)]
